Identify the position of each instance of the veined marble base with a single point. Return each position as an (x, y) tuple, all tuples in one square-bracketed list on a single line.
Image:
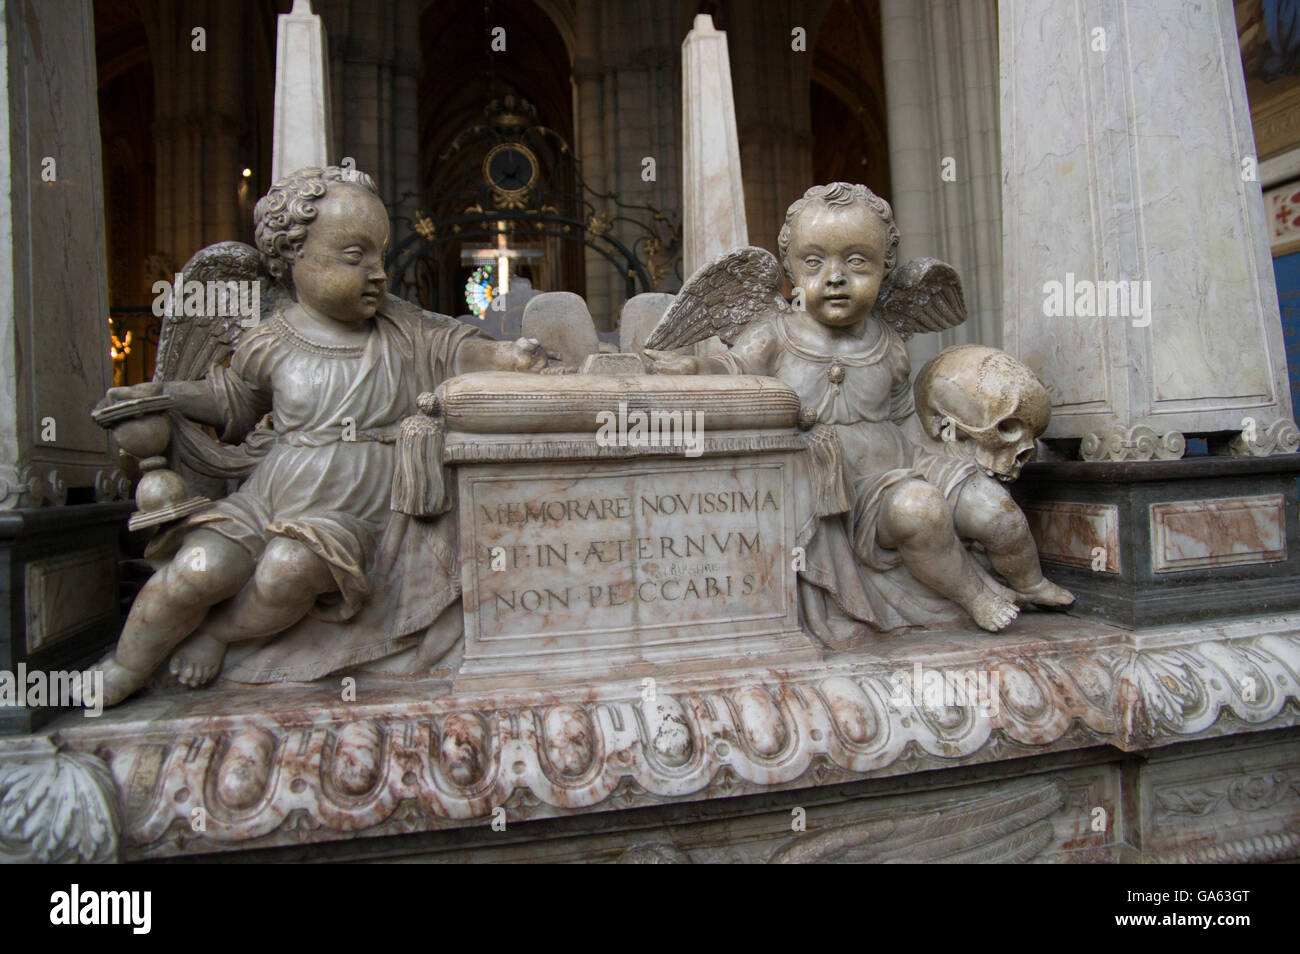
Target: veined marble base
[(288, 766), (1153, 542)]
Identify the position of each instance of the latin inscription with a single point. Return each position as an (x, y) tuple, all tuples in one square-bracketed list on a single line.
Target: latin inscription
[(604, 554)]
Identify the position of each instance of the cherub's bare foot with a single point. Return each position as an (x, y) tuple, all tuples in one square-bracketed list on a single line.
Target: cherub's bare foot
[(992, 612), (197, 661), (1005, 592), (1045, 593), (119, 682)]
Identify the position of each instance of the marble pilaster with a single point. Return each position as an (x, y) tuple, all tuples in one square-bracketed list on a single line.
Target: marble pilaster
[(54, 347), (1124, 131)]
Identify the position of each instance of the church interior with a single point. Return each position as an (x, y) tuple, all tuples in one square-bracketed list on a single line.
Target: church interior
[(1045, 440)]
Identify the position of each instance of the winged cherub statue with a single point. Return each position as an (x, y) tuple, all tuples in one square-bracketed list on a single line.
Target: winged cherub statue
[(912, 504), (335, 364)]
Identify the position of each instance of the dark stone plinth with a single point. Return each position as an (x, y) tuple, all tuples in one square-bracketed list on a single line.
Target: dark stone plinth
[(1145, 586), (59, 592)]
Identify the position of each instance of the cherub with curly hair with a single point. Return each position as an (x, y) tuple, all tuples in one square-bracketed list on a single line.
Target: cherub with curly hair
[(910, 507), (338, 366)]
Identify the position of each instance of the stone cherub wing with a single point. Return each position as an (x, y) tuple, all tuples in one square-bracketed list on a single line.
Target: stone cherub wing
[(722, 299), (921, 295), (190, 344)]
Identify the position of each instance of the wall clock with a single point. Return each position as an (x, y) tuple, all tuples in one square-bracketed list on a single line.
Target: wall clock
[(511, 169)]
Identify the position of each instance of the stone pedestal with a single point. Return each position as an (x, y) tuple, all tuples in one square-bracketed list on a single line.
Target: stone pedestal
[(1125, 138), (59, 582), (1164, 732), (1156, 542), (597, 541), (625, 568)]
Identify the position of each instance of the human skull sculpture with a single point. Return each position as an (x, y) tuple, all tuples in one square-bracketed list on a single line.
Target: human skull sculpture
[(997, 407)]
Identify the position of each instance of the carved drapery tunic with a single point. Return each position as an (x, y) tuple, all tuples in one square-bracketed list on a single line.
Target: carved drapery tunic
[(326, 481), (864, 398)]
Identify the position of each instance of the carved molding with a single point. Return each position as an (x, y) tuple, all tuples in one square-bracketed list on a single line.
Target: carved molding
[(34, 485), (1249, 793), (1259, 850), (420, 764), (19, 487), (1277, 122), (58, 806), (463, 448), (1139, 442), (1279, 437), (1005, 825), (113, 484)]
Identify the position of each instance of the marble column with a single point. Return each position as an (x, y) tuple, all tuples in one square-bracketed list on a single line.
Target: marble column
[(713, 195), (374, 70), (1125, 131), (301, 134), (627, 108), (941, 70), (773, 109), (204, 135), (60, 521), (54, 336)]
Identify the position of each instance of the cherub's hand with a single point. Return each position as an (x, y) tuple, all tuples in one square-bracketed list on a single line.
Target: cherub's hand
[(130, 393), (666, 362), (522, 354)]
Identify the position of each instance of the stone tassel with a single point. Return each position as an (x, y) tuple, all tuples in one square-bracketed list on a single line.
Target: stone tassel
[(419, 478), (826, 464)]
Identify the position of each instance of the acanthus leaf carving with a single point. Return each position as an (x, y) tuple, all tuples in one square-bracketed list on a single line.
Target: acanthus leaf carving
[(56, 807)]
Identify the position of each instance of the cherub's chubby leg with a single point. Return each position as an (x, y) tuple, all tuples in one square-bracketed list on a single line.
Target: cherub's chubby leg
[(288, 580), (986, 512), (916, 522), (207, 569)]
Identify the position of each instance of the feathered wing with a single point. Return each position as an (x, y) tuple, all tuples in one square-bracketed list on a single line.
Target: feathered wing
[(921, 295), (189, 345), (722, 299)]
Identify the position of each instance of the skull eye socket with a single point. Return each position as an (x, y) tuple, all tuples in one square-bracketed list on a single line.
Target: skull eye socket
[(1010, 429)]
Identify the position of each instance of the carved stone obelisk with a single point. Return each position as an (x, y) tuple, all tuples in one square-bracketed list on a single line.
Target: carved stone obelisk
[(302, 134), (713, 200)]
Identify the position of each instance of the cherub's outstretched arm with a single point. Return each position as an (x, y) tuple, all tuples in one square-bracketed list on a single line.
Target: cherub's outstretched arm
[(194, 399), (482, 354), (755, 352)]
